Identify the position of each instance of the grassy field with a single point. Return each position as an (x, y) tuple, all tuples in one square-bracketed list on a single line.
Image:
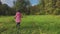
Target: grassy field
[(43, 24)]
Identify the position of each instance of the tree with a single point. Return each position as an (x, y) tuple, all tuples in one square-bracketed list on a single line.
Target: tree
[(50, 6), (0, 7), (0, 2), (23, 5)]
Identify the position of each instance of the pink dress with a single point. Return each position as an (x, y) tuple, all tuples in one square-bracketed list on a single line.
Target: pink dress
[(18, 17)]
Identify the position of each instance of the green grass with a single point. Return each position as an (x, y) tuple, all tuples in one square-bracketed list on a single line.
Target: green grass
[(35, 24)]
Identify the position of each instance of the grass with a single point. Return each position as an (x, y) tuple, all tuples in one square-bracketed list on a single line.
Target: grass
[(34, 24)]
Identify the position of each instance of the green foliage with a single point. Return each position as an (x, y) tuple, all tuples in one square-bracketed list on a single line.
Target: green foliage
[(44, 7), (23, 6), (6, 10), (50, 6)]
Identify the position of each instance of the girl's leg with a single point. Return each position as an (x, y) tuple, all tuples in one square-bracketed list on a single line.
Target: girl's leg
[(18, 28), (18, 25)]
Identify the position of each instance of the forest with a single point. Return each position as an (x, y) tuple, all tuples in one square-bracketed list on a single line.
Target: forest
[(44, 7)]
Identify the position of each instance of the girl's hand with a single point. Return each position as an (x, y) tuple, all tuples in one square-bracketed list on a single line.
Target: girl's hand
[(14, 17)]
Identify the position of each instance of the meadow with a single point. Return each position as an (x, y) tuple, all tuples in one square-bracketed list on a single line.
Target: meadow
[(32, 24)]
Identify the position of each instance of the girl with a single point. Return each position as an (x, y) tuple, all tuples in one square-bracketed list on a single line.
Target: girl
[(18, 18)]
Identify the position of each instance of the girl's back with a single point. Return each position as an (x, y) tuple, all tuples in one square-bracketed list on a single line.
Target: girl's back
[(18, 17)]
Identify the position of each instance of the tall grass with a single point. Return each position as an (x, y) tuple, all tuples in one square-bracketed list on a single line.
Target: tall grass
[(35, 24)]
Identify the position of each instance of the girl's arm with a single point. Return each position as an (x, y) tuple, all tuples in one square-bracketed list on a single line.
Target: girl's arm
[(21, 16), (15, 16)]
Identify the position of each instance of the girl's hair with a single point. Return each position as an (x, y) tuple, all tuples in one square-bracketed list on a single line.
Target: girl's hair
[(18, 11)]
